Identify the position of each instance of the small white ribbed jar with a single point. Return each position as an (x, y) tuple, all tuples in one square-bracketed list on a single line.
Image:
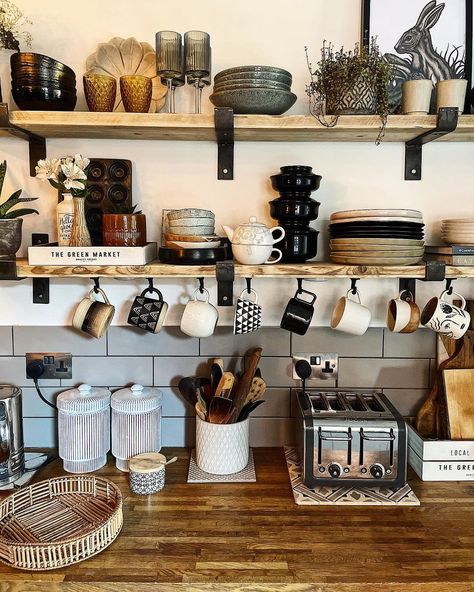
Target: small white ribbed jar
[(84, 428), (136, 423)]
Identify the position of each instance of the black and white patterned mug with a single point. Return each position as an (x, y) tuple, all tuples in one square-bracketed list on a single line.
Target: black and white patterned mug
[(148, 313), (248, 313)]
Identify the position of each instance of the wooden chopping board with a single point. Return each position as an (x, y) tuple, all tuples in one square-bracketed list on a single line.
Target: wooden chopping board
[(459, 394)]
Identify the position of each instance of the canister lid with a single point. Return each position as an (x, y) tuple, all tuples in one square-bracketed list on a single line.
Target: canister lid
[(148, 462), (137, 399), (84, 399), (7, 391)]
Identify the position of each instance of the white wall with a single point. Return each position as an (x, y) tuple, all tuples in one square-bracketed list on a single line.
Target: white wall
[(180, 174)]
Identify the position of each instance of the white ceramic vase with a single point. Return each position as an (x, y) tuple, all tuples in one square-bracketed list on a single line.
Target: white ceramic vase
[(222, 449)]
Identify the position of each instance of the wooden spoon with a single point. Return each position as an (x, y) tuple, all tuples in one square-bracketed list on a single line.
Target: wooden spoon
[(200, 412), (188, 388), (245, 382), (216, 375), (224, 388), (257, 390), (219, 409)]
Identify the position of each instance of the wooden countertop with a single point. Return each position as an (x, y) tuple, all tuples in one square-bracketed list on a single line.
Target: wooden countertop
[(252, 536)]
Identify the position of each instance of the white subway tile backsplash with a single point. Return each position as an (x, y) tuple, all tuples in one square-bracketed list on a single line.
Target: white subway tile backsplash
[(170, 341), (13, 371), (40, 432), (33, 406), (178, 431), (326, 340), (173, 404), (104, 371), (6, 342), (277, 403), (273, 341), (56, 339), (271, 432), (421, 344), (407, 401), (383, 373), (170, 370)]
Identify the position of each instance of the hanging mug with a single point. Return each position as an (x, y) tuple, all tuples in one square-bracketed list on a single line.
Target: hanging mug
[(351, 316), (92, 316), (148, 313), (199, 317), (445, 318), (403, 315), (248, 313), (298, 313)]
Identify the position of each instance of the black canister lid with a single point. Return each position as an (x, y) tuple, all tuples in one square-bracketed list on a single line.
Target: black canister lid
[(296, 168)]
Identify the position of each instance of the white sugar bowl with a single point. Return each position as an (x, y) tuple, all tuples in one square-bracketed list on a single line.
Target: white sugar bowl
[(252, 243)]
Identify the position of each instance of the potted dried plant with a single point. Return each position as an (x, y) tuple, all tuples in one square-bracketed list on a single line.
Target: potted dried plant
[(124, 228), (10, 220), (349, 83)]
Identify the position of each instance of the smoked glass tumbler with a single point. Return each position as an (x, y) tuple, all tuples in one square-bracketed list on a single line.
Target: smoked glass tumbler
[(169, 60), (197, 57)]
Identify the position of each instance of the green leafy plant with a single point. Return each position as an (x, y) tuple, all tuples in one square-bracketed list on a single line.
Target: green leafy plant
[(339, 73), (6, 212)]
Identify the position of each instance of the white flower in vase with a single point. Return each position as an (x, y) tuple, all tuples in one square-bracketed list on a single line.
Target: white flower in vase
[(74, 176), (81, 161), (48, 169)]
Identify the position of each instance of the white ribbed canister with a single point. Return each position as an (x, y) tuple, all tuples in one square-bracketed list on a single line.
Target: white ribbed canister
[(84, 428), (136, 423)]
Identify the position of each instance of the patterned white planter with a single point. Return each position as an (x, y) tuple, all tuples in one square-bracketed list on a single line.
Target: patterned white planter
[(222, 449)]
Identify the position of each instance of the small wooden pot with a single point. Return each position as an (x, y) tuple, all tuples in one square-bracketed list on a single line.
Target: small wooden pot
[(124, 230)]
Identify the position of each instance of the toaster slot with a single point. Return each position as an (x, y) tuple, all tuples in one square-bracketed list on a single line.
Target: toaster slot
[(335, 403), (355, 402), (374, 404), (319, 402)]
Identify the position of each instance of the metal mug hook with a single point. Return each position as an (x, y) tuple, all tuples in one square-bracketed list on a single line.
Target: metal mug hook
[(201, 284), (249, 285), (354, 285), (96, 285)]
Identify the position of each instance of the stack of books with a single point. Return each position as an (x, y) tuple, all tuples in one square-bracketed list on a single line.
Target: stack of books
[(458, 255)]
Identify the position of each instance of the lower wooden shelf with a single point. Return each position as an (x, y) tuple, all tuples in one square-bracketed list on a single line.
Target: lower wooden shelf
[(316, 270)]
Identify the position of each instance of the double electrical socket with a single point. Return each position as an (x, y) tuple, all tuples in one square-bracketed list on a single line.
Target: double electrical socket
[(56, 365), (323, 366)]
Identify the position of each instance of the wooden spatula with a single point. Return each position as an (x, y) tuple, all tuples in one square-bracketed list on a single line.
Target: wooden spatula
[(257, 391), (245, 382), (224, 388), (219, 409), (458, 388)]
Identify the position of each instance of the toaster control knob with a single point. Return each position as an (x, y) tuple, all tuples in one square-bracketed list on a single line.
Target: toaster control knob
[(377, 471), (334, 470)]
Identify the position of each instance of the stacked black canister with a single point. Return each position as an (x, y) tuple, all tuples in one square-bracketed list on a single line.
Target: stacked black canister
[(294, 210)]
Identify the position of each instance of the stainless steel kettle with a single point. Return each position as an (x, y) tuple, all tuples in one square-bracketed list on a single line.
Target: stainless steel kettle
[(12, 454)]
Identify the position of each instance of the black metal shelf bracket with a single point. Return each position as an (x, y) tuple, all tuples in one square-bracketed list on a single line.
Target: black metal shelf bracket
[(447, 122), (40, 285), (435, 271), (225, 275), (224, 124), (37, 144)]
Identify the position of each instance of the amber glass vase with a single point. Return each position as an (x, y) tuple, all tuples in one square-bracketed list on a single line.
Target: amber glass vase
[(124, 230)]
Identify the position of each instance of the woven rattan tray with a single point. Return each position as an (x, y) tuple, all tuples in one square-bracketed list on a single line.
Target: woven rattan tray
[(55, 523)]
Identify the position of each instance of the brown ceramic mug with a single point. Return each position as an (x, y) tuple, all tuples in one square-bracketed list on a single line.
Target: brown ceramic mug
[(92, 316), (124, 230), (403, 315)]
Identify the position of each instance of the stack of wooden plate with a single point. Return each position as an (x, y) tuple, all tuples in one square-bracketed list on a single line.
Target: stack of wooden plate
[(377, 237), (191, 228), (458, 231)]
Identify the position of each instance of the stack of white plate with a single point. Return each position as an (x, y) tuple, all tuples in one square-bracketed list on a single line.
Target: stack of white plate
[(191, 228), (377, 237), (458, 231)]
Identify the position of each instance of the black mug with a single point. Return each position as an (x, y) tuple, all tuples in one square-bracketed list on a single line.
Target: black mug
[(148, 313), (298, 313)]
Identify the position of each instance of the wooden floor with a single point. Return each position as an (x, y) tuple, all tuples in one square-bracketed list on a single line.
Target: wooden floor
[(253, 537)]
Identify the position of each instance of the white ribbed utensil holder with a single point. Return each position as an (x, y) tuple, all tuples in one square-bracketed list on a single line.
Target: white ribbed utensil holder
[(84, 428), (136, 423), (222, 449)]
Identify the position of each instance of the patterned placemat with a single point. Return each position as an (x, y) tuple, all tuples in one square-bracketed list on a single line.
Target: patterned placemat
[(342, 496), (197, 475)]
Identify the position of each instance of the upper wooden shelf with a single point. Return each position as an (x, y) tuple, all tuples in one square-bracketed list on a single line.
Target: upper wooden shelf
[(291, 128), (317, 270)]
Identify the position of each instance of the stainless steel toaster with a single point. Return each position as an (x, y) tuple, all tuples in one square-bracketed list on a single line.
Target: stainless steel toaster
[(12, 456), (351, 438)]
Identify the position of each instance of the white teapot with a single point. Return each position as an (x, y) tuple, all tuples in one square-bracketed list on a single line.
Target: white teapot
[(252, 243)]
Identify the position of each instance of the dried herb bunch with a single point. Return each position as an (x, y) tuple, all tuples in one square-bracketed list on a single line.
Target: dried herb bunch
[(339, 74), (12, 21)]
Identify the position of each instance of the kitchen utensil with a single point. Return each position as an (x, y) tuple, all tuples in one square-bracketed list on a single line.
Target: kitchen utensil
[(245, 382), (59, 522), (298, 312), (148, 313), (136, 423), (248, 313), (445, 317), (224, 388), (222, 448), (248, 408), (84, 428), (188, 389), (200, 411), (121, 57), (216, 375), (351, 316), (458, 385), (257, 390), (199, 317), (201, 399), (12, 455), (351, 438), (203, 385), (92, 316), (219, 409)]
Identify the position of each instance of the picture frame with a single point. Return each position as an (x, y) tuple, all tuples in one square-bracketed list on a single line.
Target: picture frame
[(423, 39)]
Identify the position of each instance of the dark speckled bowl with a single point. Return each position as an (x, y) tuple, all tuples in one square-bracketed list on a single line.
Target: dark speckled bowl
[(255, 101), (264, 76)]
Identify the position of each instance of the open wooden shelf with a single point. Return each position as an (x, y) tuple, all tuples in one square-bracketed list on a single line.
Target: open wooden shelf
[(251, 128), (317, 270)]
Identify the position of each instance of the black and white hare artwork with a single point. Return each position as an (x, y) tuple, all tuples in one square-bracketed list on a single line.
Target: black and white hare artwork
[(422, 39)]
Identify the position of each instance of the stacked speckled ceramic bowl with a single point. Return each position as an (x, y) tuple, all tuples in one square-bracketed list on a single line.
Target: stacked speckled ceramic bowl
[(264, 90), (191, 228)]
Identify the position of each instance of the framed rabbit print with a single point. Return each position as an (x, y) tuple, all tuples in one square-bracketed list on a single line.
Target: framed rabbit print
[(421, 38)]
